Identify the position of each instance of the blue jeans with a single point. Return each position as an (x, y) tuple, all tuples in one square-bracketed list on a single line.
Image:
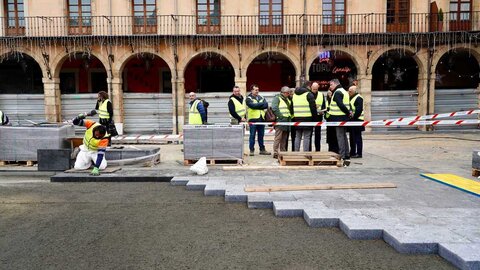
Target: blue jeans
[(261, 132)]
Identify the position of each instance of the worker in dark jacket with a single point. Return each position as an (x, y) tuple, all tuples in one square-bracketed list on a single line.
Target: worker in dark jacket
[(237, 107), (4, 119), (318, 117), (331, 131), (356, 141), (304, 109), (197, 115), (339, 111), (256, 106), (104, 109)]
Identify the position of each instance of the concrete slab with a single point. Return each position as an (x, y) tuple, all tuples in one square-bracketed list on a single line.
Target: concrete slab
[(81, 177), (463, 256)]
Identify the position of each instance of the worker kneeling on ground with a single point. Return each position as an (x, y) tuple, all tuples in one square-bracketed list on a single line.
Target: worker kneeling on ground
[(95, 143)]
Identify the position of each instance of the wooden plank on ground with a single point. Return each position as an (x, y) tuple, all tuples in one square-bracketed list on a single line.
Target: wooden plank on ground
[(276, 168), (319, 187)]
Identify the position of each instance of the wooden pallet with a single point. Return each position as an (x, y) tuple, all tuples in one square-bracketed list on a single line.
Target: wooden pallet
[(28, 163), (187, 162), (475, 172), (309, 158)]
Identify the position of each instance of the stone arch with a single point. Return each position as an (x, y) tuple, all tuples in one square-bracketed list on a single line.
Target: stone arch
[(123, 60), (60, 59), (290, 57), (377, 54), (354, 56), (446, 49), (33, 55), (225, 54)]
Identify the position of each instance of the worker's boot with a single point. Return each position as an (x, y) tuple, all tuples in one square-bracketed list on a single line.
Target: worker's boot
[(265, 152)]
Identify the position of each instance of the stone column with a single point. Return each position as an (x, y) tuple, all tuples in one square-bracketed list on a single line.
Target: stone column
[(242, 83), (117, 102), (365, 89), (423, 97), (178, 99), (53, 102)]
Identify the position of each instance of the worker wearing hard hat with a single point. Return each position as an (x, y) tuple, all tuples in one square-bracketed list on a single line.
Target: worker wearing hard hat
[(95, 143)]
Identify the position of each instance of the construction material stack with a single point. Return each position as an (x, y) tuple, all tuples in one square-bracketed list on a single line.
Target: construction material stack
[(217, 143)]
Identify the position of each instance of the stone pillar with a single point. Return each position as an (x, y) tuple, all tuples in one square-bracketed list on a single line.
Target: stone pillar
[(178, 99), (116, 98), (242, 83), (298, 81), (53, 102), (423, 97), (365, 89)]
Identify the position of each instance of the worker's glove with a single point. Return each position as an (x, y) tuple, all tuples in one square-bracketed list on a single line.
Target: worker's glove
[(81, 116), (91, 113), (95, 171)]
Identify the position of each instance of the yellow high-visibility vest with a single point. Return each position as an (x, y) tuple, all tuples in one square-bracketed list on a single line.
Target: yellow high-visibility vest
[(239, 107), (255, 113), (319, 101), (283, 107), (352, 104), (194, 117), (334, 109), (301, 107), (103, 111), (89, 141)]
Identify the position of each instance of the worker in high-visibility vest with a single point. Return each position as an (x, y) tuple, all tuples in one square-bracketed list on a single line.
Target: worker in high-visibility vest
[(95, 142), (197, 114), (104, 109), (356, 141), (304, 109), (282, 108), (339, 111), (4, 119), (321, 108), (256, 106), (331, 131), (237, 107)]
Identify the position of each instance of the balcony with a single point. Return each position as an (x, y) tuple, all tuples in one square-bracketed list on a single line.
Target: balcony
[(191, 25)]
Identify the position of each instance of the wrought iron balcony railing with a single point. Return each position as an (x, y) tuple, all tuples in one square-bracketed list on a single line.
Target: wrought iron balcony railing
[(227, 25)]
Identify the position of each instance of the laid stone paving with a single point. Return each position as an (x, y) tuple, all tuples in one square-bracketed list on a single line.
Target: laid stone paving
[(418, 217)]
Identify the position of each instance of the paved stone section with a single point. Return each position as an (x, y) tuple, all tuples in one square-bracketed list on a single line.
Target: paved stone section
[(417, 217)]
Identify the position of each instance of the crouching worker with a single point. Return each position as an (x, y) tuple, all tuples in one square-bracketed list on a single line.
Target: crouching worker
[(95, 143)]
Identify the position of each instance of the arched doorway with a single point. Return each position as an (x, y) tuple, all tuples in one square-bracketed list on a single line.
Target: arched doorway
[(270, 71), (212, 77), (456, 85), (147, 95), (21, 89), (82, 76), (394, 86), (332, 65)]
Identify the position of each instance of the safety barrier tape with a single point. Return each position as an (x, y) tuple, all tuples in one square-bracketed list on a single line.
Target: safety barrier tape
[(373, 123), (432, 116)]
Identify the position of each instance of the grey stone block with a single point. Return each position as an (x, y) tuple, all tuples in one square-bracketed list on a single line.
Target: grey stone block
[(463, 256), (54, 159), (360, 229), (179, 181), (214, 190), (235, 196), (193, 185), (397, 240), (288, 209), (313, 220), (476, 159)]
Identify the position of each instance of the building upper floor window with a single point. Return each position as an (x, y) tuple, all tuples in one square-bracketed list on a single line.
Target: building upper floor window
[(144, 12), (333, 12), (14, 11), (460, 15), (208, 16), (271, 12), (79, 16), (398, 15)]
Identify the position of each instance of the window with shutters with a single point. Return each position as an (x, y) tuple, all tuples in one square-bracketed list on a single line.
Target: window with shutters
[(460, 15), (144, 16), (270, 16), (208, 16), (333, 16), (15, 17), (398, 15), (79, 17)]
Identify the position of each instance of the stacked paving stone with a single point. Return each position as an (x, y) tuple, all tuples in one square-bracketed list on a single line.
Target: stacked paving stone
[(476, 159), (21, 143), (409, 223), (213, 142)]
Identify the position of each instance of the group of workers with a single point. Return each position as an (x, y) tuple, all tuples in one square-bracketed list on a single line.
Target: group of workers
[(301, 104)]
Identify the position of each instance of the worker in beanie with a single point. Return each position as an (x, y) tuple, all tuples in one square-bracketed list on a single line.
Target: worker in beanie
[(4, 119), (95, 143)]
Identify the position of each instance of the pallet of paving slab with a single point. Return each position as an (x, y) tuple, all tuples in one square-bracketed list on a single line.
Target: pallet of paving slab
[(212, 161), (309, 158), (27, 163), (475, 172)]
